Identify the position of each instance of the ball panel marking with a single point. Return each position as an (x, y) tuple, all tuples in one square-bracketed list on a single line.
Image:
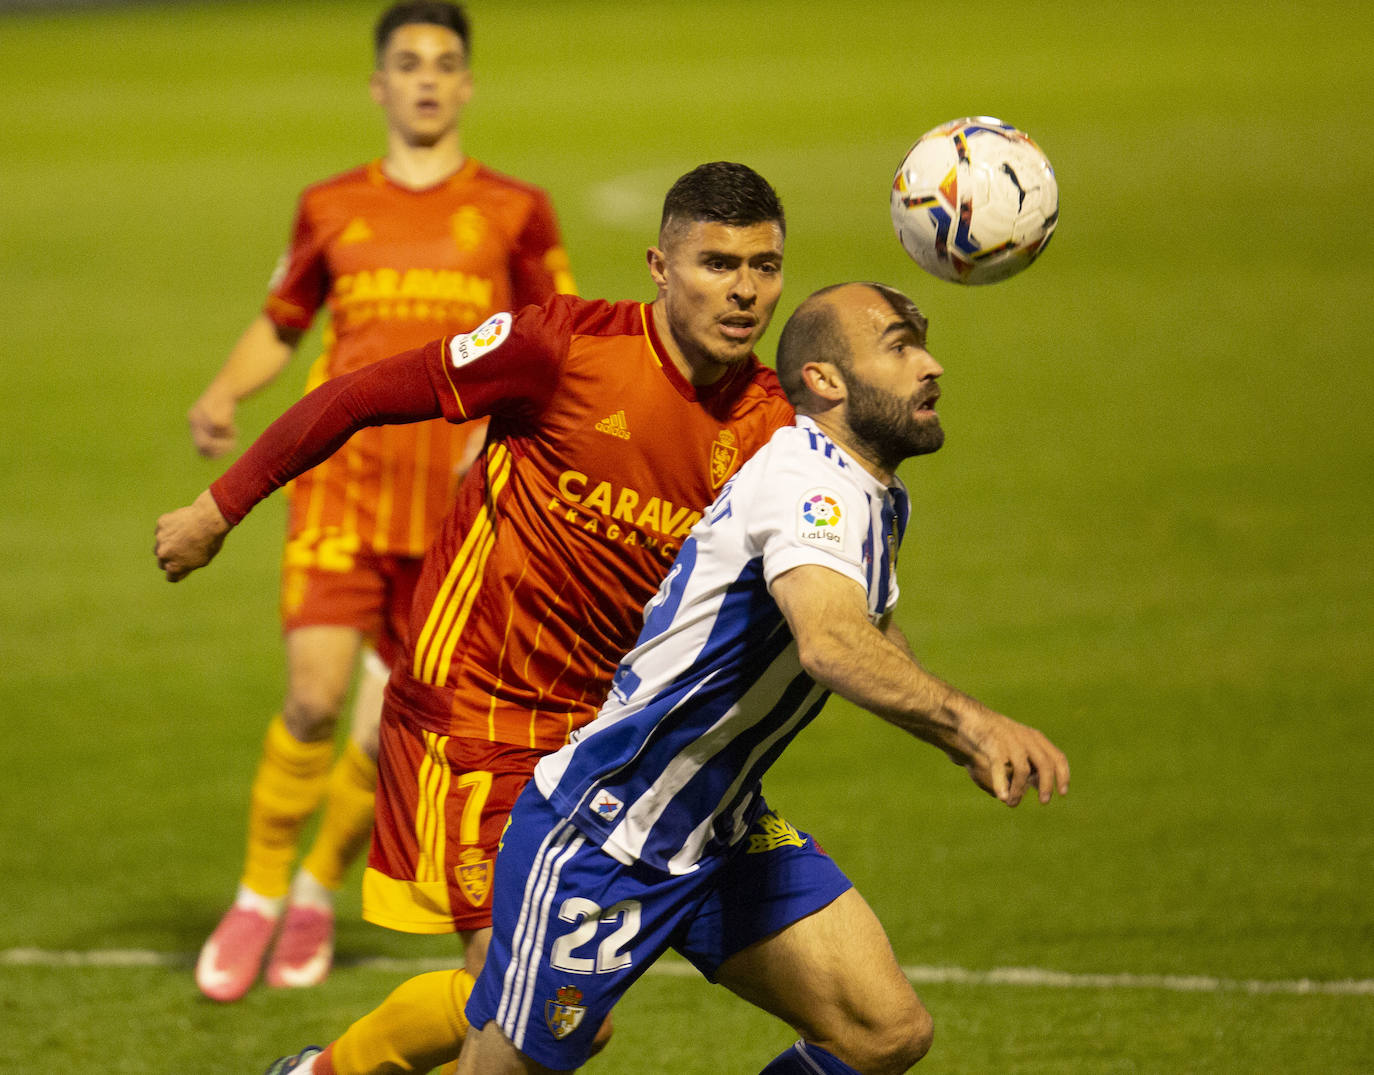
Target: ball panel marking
[(974, 201)]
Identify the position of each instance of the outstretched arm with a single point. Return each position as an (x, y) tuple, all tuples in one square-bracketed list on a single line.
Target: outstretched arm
[(395, 390), (843, 651)]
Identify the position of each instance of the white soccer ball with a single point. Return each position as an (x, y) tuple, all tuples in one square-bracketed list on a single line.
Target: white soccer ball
[(974, 201)]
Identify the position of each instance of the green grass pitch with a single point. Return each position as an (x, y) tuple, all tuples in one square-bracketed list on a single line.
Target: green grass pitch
[(1149, 532)]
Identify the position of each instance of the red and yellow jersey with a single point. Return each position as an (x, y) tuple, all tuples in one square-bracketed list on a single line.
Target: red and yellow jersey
[(601, 459), (397, 268)]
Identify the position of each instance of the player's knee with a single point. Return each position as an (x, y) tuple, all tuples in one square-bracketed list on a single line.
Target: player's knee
[(906, 1037), (892, 1042), (920, 1034)]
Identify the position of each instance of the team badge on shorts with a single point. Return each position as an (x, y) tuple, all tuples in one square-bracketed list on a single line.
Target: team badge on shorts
[(473, 874), (564, 1014)]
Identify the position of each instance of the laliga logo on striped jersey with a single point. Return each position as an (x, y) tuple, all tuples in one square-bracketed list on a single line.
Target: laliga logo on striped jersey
[(487, 336), (819, 517)]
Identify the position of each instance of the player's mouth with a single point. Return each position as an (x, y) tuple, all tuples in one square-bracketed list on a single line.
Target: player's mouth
[(738, 326), (926, 404), (427, 106)]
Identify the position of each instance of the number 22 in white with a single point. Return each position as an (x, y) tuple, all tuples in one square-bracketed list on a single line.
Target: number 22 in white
[(588, 916)]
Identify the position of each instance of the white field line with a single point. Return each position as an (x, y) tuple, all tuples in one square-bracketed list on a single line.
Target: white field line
[(1030, 977)]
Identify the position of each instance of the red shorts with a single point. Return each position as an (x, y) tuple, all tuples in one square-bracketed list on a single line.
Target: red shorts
[(325, 584), (442, 804)]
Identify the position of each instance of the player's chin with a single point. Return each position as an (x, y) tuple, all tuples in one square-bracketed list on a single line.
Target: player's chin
[(731, 351)]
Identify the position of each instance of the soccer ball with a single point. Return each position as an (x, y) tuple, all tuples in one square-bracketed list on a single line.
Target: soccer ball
[(974, 201)]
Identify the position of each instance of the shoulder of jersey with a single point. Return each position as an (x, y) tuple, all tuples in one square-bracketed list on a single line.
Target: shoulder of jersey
[(343, 179), (763, 394), (767, 379), (491, 175), (597, 317)]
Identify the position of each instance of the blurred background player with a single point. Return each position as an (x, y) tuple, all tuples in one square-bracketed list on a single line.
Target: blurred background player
[(612, 426), (422, 243)]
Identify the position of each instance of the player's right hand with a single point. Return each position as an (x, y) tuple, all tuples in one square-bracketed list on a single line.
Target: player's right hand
[(212, 426), (189, 537)]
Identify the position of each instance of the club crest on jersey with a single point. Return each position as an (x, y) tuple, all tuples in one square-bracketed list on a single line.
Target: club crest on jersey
[(487, 336), (606, 806), (564, 1014), (724, 456), (820, 519), (469, 227), (473, 874)]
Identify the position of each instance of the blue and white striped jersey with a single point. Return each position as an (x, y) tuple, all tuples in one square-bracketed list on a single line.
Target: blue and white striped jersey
[(713, 691)]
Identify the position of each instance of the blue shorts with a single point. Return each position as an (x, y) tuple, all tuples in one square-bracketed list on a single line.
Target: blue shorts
[(572, 928)]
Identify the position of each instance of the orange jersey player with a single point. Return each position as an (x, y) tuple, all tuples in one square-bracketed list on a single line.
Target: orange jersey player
[(398, 267), (612, 426), (421, 243)]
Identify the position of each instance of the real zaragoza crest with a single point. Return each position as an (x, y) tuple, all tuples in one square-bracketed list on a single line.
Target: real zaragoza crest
[(724, 456), (474, 876), (564, 1014), (469, 227)]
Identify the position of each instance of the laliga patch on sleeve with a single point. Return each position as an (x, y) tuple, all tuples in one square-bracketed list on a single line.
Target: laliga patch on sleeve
[(487, 336), (820, 519)]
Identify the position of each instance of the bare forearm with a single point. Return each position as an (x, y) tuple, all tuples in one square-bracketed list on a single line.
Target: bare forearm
[(842, 650), (875, 670), (260, 354)]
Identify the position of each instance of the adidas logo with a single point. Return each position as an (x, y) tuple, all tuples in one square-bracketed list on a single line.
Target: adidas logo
[(615, 425), (356, 232)]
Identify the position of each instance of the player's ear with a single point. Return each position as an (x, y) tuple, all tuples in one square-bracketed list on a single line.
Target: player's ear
[(658, 263), (376, 86), (824, 381)]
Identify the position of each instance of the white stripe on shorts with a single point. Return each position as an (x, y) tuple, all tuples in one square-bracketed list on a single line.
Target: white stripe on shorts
[(527, 942)]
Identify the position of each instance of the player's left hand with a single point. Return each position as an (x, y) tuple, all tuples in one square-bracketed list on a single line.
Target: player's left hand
[(189, 538)]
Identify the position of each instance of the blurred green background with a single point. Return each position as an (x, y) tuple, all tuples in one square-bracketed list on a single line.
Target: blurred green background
[(1149, 532)]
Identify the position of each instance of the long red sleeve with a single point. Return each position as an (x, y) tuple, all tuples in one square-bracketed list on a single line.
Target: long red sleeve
[(394, 391)]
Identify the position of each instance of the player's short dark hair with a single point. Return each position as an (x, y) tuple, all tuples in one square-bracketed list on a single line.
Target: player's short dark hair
[(813, 334), (431, 12), (724, 193)]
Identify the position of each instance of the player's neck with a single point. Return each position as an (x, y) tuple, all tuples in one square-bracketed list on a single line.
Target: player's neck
[(698, 370), (833, 426), (421, 166)]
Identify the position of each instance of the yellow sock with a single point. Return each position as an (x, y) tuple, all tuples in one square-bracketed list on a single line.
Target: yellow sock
[(419, 1027), (290, 780), (347, 821)]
